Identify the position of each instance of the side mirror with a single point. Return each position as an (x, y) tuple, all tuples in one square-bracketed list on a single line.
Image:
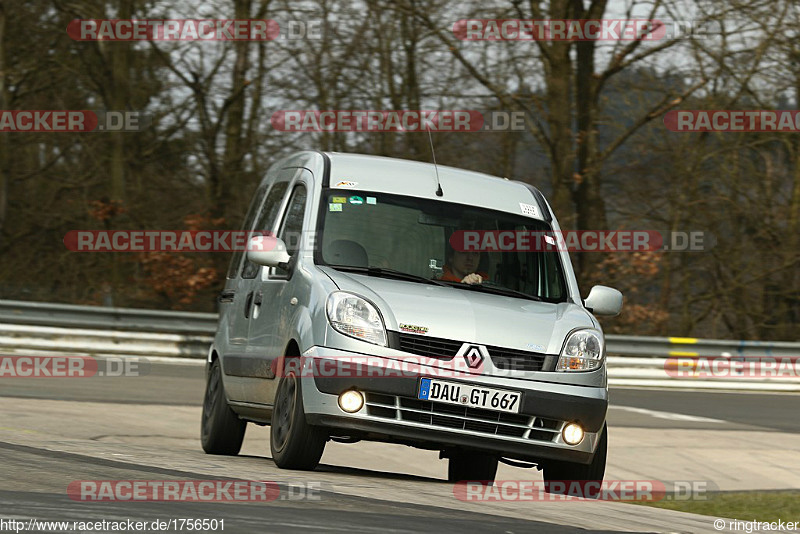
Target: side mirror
[(268, 250), (604, 300)]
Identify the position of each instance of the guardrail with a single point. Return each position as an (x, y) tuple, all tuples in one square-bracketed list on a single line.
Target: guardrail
[(634, 361), (684, 346), (99, 318)]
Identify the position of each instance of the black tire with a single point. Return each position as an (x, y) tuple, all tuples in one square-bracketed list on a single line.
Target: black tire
[(568, 471), (471, 466), (221, 430), (293, 442)]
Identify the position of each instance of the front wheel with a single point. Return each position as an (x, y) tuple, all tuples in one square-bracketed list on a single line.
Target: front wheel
[(558, 471), (222, 432), (294, 443), (471, 466)]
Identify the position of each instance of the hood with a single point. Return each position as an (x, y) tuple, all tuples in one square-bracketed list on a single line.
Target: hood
[(467, 315)]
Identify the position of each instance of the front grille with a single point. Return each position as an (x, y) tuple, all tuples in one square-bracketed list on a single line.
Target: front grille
[(454, 417), (445, 349), (516, 360), (430, 347)]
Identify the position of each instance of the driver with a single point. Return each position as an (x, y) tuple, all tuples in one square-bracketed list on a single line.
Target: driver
[(461, 266)]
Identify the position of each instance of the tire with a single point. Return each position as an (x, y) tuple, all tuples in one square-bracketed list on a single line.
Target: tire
[(568, 471), (221, 430), (293, 442), (471, 466)]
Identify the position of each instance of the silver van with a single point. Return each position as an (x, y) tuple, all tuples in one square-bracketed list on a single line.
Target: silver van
[(361, 317)]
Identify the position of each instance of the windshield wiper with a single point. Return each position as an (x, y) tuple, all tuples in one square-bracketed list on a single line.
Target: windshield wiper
[(384, 272), (490, 287)]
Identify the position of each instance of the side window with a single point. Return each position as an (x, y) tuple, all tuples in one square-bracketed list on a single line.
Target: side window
[(247, 224), (551, 288), (292, 231), (265, 222)]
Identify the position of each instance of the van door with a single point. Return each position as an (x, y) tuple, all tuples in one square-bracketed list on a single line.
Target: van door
[(270, 327), (231, 341), (238, 367)]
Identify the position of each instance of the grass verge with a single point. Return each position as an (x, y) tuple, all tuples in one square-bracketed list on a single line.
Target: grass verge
[(743, 505)]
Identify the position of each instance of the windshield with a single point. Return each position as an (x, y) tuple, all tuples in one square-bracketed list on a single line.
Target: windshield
[(420, 237)]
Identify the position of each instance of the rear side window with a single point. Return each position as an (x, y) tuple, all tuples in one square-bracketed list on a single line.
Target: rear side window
[(247, 224), (292, 230), (265, 222)]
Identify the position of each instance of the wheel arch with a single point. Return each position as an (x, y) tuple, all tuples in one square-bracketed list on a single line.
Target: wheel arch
[(292, 349)]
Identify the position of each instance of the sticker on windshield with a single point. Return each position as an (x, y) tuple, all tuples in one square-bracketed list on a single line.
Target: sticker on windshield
[(334, 207), (414, 329), (346, 183), (356, 200), (372, 200), (530, 210), (339, 200)]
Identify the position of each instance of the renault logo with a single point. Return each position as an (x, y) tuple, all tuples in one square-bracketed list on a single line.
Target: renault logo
[(474, 355)]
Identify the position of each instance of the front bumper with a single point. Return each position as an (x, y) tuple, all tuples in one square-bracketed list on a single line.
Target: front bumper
[(393, 413)]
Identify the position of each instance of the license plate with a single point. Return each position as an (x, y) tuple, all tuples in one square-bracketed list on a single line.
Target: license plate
[(468, 395)]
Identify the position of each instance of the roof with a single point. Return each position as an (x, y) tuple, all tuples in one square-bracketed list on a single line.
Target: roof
[(413, 178)]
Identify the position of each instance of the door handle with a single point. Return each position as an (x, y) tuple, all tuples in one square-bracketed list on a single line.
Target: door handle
[(258, 298), (248, 302), (226, 295)]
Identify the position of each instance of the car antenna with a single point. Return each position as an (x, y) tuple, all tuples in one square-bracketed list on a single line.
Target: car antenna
[(439, 192)]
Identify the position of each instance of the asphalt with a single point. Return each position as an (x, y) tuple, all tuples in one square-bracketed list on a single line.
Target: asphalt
[(181, 384), (56, 431), (51, 471)]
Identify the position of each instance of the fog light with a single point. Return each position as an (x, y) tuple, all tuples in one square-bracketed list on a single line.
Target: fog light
[(351, 401), (572, 434)]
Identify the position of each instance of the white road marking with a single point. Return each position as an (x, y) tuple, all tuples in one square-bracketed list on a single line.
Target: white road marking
[(668, 415)]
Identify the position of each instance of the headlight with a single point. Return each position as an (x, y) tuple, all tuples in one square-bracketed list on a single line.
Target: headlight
[(583, 351), (356, 317)]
